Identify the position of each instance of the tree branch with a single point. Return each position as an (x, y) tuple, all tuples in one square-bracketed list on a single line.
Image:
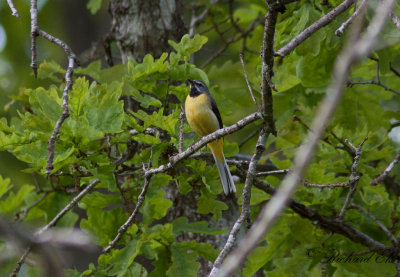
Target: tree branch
[(386, 172), (128, 222), (35, 32), (380, 224), (14, 11), (360, 8), (267, 55), (323, 21), (247, 81), (354, 176)]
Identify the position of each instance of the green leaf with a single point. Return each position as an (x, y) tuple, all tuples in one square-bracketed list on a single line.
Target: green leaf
[(157, 119), (181, 224), (93, 6), (183, 262), (155, 206), (188, 46), (13, 201), (208, 204), (51, 70), (122, 260), (5, 185), (103, 225)]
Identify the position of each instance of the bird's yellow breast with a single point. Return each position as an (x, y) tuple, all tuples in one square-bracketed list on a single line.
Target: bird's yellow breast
[(200, 115)]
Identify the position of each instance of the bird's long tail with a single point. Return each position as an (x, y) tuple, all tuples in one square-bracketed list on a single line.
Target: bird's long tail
[(226, 178)]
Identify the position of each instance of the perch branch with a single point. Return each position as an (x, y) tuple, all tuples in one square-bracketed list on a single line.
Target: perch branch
[(203, 141)]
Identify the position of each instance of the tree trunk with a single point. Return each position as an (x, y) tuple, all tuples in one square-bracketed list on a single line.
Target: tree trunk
[(143, 27)]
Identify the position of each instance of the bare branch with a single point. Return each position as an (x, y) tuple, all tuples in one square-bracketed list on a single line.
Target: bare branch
[(386, 172), (230, 243), (323, 21), (395, 20), (273, 172), (26, 210), (267, 55), (249, 136), (14, 11), (195, 20), (354, 176), (247, 81), (35, 32), (329, 186), (379, 223), (353, 52), (68, 207), (20, 262), (359, 9), (372, 82), (233, 39), (128, 222)]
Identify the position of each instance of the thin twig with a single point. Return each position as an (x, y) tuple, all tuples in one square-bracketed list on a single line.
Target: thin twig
[(26, 210), (379, 223), (354, 176), (323, 186), (272, 172), (339, 32), (247, 81), (195, 20), (181, 127), (129, 221), (68, 207), (233, 39), (386, 172), (354, 51), (323, 21), (20, 262), (372, 82), (244, 215), (246, 139), (14, 11)]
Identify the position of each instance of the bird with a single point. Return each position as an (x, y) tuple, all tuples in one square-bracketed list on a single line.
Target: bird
[(204, 118)]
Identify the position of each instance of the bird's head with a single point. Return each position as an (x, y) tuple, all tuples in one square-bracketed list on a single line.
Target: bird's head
[(197, 87)]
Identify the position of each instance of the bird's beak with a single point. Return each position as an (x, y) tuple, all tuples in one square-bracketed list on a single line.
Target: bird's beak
[(188, 81)]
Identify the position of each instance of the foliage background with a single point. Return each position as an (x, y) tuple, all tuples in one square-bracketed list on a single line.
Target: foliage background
[(158, 244)]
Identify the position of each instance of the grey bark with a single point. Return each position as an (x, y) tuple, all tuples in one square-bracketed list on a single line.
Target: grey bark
[(143, 27)]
